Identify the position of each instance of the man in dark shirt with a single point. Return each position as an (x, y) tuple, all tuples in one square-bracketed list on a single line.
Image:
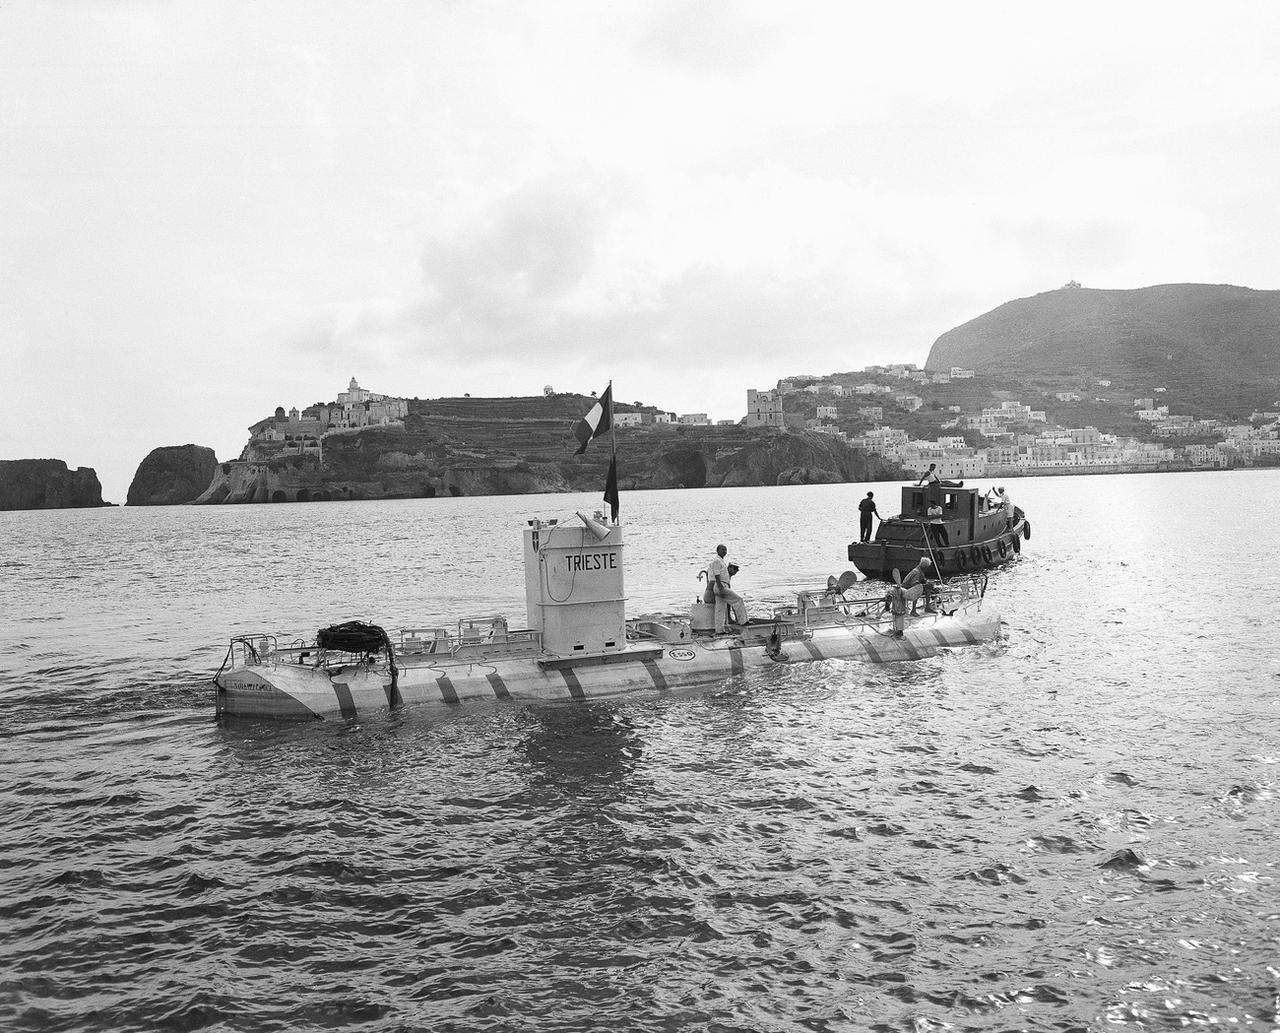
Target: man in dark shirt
[(866, 507)]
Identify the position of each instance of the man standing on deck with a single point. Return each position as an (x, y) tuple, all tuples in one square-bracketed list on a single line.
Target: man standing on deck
[(1004, 500), (718, 587), (939, 529), (867, 508)]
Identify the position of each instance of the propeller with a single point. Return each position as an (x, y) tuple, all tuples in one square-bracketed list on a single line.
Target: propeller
[(840, 585)]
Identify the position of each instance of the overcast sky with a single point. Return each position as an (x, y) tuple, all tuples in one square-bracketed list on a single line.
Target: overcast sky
[(211, 209)]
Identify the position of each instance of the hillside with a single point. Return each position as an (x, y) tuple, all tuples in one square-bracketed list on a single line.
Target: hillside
[(1214, 346), (502, 446)]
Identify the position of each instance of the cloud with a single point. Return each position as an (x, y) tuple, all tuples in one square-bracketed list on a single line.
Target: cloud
[(536, 249), (711, 35)]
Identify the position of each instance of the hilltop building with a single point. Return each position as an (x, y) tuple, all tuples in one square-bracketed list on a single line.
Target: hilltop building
[(304, 432), (764, 408)]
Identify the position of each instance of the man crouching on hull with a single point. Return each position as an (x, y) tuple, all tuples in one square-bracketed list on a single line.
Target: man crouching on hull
[(914, 585)]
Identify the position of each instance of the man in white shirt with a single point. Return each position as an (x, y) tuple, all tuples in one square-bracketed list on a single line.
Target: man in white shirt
[(1003, 499), (939, 529), (718, 587)]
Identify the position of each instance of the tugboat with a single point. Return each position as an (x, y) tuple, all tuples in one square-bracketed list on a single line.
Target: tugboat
[(578, 644), (970, 533)]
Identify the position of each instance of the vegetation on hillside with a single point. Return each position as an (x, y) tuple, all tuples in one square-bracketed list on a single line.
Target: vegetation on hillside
[(1215, 349)]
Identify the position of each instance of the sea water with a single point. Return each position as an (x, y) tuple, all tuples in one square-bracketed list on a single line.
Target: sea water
[(1073, 829)]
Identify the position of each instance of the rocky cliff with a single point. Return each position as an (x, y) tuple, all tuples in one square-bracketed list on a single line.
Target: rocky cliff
[(172, 475), (47, 484), (468, 455)]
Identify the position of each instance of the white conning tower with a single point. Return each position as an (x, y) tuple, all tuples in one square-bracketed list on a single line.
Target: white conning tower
[(573, 586)]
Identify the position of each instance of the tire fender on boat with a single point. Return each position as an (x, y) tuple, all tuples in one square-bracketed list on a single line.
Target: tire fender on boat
[(986, 554), (1016, 542), (961, 560), (1004, 549), (975, 556), (1026, 530)]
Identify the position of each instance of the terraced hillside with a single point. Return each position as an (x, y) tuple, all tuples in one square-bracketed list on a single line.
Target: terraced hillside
[(494, 446)]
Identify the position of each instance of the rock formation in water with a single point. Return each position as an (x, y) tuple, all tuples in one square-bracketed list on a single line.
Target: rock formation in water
[(172, 475), (48, 484)]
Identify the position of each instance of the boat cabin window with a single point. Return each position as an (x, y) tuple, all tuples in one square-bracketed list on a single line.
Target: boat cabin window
[(951, 501)]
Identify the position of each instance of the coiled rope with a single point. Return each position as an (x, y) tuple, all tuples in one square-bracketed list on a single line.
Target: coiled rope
[(359, 637)]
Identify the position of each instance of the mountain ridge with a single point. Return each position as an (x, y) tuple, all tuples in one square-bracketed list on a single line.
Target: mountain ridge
[(1226, 335)]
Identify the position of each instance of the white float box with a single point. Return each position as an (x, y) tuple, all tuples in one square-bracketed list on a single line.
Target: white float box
[(573, 586)]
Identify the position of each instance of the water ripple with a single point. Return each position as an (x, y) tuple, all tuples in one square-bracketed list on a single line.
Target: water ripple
[(1072, 831)]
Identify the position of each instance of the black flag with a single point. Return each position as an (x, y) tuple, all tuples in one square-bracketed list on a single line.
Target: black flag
[(611, 489)]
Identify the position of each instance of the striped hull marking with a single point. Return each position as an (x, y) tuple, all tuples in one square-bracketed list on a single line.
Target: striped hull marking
[(447, 692), (499, 686), (813, 650), (572, 683), (735, 661), (655, 672), (345, 703)]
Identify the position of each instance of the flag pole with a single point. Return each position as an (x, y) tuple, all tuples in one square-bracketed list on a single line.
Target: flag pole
[(613, 427), (613, 438)]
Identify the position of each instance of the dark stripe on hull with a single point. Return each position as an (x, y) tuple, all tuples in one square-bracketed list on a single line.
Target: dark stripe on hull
[(571, 681), (873, 651), (735, 661), (655, 672), (447, 691), (814, 651), (345, 703), (499, 687), (392, 689)]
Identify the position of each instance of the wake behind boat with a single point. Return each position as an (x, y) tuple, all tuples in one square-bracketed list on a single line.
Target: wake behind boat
[(578, 644)]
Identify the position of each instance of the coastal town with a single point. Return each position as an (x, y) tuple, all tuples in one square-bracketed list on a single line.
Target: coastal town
[(889, 411), (870, 410)]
